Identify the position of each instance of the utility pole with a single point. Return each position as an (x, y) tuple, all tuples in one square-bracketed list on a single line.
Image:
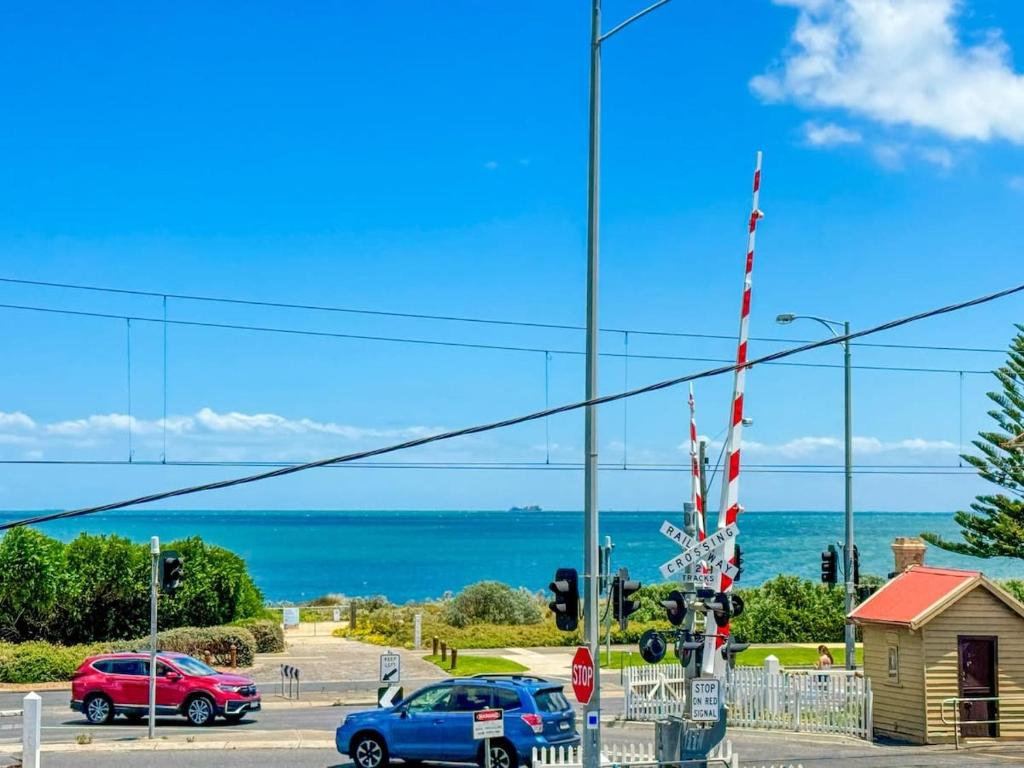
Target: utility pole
[(591, 554), (154, 551), (851, 658), (591, 544)]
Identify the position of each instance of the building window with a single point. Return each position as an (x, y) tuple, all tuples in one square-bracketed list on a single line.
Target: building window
[(894, 663)]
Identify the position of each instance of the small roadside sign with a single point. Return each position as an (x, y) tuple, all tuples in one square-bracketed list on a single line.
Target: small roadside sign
[(389, 695), (488, 724), (390, 667), (290, 617), (705, 699)]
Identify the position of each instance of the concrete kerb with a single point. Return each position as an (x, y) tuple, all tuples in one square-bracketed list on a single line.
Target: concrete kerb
[(250, 740)]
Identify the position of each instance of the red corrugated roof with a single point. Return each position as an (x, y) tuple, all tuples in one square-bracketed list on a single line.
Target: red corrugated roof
[(912, 594)]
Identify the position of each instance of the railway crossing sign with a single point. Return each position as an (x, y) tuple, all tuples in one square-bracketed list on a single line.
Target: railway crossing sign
[(583, 675), (701, 551), (678, 536), (390, 667)]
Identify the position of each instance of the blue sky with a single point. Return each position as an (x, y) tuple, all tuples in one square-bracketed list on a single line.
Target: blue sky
[(401, 157)]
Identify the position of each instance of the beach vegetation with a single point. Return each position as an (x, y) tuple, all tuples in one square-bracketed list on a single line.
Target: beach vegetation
[(492, 602)]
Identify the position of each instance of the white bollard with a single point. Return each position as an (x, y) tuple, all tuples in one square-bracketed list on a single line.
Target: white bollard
[(31, 730)]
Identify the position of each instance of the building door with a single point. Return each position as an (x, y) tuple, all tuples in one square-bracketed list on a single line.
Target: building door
[(976, 668)]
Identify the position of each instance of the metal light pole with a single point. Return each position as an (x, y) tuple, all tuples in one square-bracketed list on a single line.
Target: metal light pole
[(786, 319), (591, 543), (154, 551)]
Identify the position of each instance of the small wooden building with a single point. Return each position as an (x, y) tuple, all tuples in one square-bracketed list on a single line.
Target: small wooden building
[(931, 634)]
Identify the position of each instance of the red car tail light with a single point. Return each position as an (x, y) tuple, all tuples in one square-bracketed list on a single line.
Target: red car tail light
[(534, 721)]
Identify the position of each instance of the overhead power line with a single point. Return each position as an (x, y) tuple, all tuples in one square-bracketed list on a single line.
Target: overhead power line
[(453, 344), (461, 318), (494, 425), (524, 466)]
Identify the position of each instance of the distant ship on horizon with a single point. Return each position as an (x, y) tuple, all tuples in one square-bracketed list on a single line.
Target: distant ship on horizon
[(528, 508)]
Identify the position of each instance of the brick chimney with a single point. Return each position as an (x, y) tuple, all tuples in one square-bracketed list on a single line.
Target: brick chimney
[(908, 551)]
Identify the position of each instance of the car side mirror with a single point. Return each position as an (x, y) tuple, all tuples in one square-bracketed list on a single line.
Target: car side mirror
[(403, 712), (172, 676)]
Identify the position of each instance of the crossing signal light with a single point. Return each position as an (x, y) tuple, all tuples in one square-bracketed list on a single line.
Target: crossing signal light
[(622, 589), (675, 606), (171, 572), (830, 566), (728, 605), (652, 646), (737, 560), (566, 605)]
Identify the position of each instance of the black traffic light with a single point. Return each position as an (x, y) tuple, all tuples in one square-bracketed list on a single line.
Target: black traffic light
[(622, 589), (675, 606), (737, 560), (856, 565), (652, 646), (171, 572), (830, 566), (566, 605)]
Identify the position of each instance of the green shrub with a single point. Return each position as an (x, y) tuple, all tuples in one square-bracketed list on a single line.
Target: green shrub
[(1015, 587), (268, 634), (789, 609), (195, 641), (39, 662), (492, 602)]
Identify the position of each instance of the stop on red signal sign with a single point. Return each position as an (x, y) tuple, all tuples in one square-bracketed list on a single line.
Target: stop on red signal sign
[(583, 675)]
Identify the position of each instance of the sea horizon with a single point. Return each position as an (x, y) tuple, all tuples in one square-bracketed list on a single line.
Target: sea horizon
[(298, 554)]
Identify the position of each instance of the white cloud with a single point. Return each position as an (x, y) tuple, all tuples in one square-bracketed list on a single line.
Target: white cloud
[(491, 165), (829, 134), (231, 433), (939, 156), (889, 156), (899, 62), (803, 447), (1016, 183)]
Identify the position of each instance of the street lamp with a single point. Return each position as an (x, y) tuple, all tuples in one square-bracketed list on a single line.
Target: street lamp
[(786, 319), (591, 543)]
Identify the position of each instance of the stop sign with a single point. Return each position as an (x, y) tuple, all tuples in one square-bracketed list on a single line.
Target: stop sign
[(583, 675)]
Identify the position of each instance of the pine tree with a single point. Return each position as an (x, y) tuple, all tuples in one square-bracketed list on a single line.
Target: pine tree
[(995, 526)]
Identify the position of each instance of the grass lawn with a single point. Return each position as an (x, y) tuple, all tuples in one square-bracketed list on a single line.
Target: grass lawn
[(477, 665), (788, 656)]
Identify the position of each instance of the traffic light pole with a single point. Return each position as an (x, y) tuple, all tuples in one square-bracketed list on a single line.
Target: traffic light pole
[(154, 551)]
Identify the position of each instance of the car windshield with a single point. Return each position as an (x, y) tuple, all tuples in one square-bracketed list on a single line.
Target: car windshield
[(194, 667)]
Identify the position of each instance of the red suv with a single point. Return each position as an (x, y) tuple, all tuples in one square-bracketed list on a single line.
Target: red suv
[(118, 684)]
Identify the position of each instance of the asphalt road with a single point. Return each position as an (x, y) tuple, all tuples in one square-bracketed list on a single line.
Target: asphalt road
[(756, 749)]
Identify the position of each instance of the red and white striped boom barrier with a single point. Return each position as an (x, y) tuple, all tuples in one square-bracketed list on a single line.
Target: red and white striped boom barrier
[(695, 495), (714, 661)]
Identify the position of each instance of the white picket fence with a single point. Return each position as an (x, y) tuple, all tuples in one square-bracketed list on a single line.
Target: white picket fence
[(809, 701), (634, 755)]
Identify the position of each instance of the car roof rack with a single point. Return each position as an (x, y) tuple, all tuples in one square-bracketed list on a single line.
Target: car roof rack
[(508, 676)]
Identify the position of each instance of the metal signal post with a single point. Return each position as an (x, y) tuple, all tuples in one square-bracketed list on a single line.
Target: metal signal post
[(591, 543), (154, 551)]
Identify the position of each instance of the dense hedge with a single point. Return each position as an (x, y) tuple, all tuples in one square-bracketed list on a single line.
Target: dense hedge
[(195, 641), (96, 588), (268, 633), (40, 662)]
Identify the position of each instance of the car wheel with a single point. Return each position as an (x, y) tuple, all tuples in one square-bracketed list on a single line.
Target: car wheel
[(502, 755), (369, 751), (99, 710), (200, 711)]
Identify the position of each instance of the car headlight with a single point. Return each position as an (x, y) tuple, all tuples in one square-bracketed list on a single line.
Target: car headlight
[(230, 688)]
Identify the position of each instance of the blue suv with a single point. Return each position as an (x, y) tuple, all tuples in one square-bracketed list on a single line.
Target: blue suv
[(436, 723)]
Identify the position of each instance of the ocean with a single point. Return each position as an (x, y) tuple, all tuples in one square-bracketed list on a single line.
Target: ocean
[(411, 555)]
